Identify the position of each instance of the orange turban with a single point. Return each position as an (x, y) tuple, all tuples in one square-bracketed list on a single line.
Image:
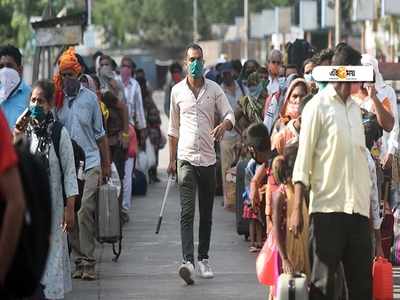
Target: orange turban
[(67, 61)]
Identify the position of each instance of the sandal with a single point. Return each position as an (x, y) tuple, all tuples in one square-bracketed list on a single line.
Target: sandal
[(253, 249)]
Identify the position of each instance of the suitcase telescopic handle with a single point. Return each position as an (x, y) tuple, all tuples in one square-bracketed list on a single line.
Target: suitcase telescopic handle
[(292, 289)]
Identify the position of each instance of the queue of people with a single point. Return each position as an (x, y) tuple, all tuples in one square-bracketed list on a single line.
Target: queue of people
[(325, 168), (79, 125), (319, 188)]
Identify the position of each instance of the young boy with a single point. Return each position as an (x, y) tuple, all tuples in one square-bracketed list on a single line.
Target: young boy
[(259, 145)]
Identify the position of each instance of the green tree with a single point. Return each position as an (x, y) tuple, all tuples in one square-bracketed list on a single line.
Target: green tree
[(149, 22), (117, 17), (167, 22)]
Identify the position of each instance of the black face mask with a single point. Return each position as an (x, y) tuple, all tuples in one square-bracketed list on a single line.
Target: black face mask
[(71, 87), (40, 127)]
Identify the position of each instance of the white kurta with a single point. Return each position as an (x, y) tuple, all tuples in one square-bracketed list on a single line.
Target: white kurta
[(57, 276)]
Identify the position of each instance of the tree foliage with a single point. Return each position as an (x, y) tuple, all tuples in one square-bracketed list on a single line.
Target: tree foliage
[(138, 22), (166, 22)]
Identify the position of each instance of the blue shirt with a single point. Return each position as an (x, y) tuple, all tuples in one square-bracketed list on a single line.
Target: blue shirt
[(83, 119), (15, 105)]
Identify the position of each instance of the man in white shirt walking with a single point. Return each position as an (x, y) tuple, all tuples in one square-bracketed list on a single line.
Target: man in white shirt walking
[(194, 103)]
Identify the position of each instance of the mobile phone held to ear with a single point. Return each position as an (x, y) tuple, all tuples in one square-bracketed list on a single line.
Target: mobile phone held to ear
[(23, 120)]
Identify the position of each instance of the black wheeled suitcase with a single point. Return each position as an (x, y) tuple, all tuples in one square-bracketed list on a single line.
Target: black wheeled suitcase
[(242, 225), (139, 183)]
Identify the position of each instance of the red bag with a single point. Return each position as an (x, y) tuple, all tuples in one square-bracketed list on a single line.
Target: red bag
[(266, 265), (133, 142), (387, 234), (382, 279)]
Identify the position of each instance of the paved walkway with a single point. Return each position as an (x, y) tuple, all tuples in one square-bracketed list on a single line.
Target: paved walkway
[(148, 265), (147, 268)]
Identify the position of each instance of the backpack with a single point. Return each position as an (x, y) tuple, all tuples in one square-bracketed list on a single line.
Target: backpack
[(30, 258), (79, 157)]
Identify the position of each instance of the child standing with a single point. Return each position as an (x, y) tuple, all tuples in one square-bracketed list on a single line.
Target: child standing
[(258, 142), (293, 251), (251, 212)]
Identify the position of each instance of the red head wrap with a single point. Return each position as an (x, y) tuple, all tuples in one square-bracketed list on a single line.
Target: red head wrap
[(67, 61)]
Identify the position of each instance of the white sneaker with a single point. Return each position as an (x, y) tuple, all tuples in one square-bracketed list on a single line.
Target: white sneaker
[(186, 272), (205, 269)]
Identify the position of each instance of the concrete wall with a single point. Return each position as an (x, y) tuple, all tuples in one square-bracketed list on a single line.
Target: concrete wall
[(233, 50)]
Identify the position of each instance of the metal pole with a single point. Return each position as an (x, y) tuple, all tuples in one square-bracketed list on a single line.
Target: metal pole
[(392, 51), (49, 64), (43, 64), (89, 8), (363, 31), (36, 64), (246, 29), (338, 32), (195, 27)]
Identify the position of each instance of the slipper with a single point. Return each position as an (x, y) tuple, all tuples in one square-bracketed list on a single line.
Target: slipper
[(253, 249)]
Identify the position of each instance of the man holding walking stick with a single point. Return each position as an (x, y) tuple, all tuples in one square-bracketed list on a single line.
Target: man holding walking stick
[(195, 102)]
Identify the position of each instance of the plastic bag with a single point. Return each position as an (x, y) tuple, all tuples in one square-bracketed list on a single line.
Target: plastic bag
[(267, 269), (146, 158), (150, 153), (142, 163), (114, 179)]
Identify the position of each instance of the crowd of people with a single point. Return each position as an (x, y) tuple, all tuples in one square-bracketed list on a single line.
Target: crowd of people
[(86, 126), (320, 184), (320, 187)]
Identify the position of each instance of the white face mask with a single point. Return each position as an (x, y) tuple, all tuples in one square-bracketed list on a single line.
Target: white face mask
[(106, 71), (9, 81)]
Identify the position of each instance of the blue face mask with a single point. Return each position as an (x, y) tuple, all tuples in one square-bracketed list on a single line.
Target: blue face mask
[(195, 69), (308, 78), (37, 112)]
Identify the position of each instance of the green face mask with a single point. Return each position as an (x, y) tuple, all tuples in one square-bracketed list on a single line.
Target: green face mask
[(321, 85), (37, 112), (195, 69)]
